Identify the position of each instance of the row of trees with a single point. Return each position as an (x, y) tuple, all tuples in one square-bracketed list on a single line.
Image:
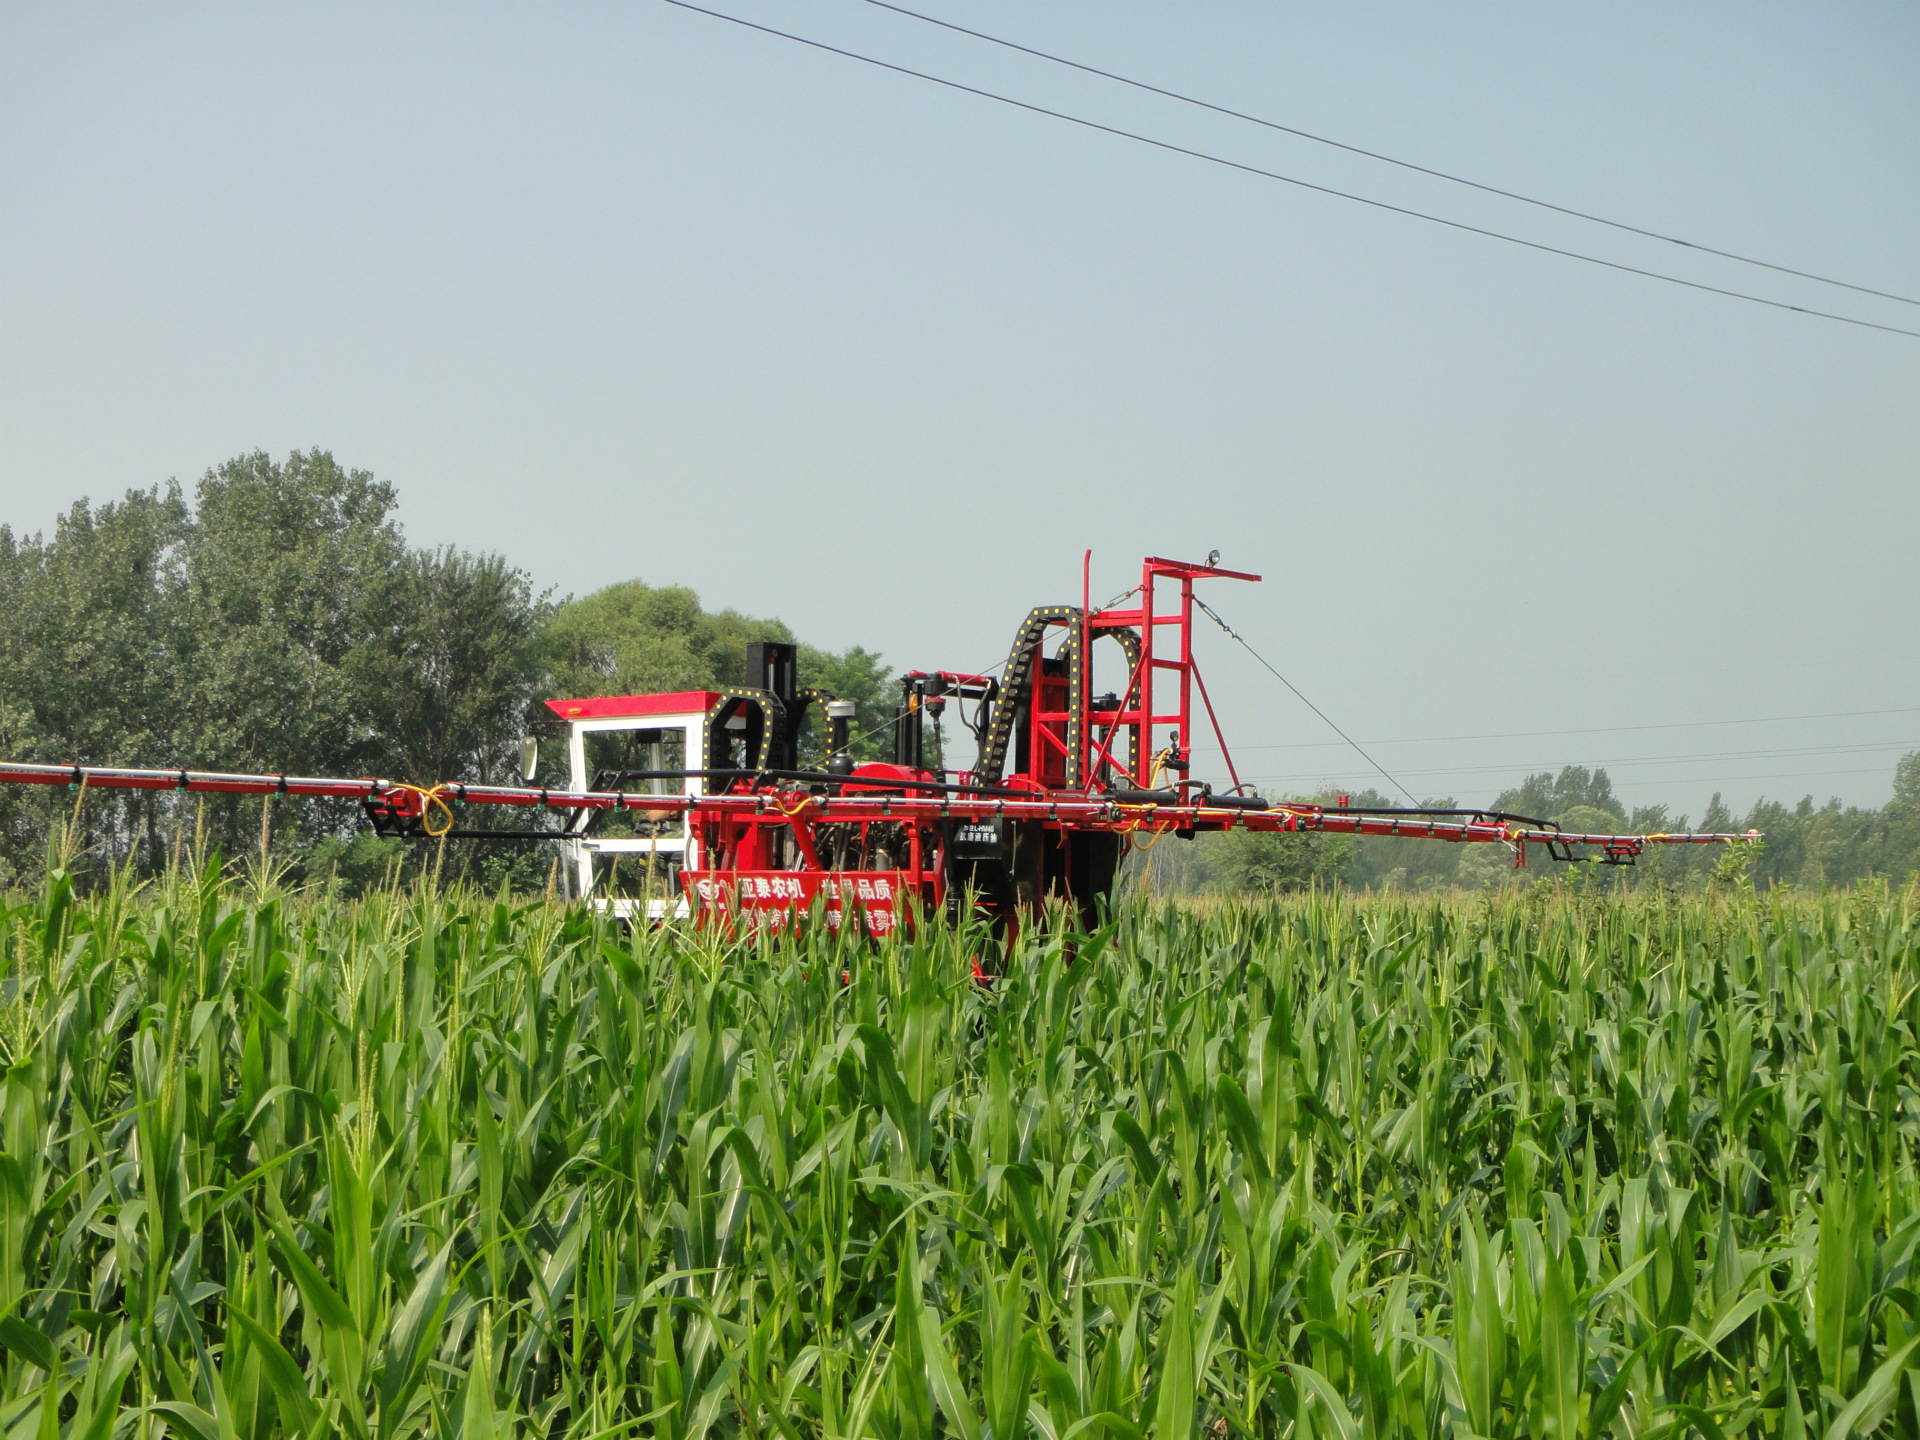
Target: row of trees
[(1804, 844), (280, 621)]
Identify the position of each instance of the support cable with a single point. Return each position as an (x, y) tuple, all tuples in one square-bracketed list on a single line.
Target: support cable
[(1214, 615)]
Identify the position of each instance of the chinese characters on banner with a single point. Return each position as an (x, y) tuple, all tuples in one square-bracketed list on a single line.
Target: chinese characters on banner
[(771, 898)]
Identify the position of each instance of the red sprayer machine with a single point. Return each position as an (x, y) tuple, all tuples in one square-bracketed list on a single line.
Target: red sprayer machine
[(696, 804)]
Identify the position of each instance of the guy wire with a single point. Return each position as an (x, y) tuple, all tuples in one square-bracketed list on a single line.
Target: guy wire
[(1213, 615)]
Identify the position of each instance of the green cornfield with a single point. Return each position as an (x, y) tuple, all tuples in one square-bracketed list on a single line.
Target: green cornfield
[(1546, 1164)]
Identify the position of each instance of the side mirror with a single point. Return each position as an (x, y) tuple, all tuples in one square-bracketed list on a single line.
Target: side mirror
[(529, 759)]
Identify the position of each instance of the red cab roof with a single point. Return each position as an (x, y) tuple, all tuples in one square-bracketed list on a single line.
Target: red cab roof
[(609, 707)]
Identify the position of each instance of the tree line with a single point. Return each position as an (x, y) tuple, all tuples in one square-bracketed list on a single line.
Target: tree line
[(279, 621), (1803, 844)]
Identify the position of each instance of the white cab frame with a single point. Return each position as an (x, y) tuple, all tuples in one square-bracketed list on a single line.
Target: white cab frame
[(685, 845)]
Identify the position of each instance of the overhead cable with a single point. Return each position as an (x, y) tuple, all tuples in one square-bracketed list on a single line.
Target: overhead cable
[(1590, 730), (1389, 159), (1255, 170), (1671, 780), (1534, 767)]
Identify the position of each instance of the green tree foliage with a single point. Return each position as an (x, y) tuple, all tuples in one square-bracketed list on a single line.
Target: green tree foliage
[(91, 629), (853, 674), (1835, 844), (1903, 813), (1247, 862), (1804, 845), (637, 639), (1554, 797), (284, 571), (89, 641), (280, 622), (448, 671)]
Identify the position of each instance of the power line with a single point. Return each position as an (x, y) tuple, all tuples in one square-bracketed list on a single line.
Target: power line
[(1727, 779), (1636, 761), (1695, 757), (1255, 170), (1591, 730), (1389, 159), (1686, 780)]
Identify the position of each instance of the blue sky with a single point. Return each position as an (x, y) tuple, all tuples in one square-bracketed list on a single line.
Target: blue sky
[(625, 291)]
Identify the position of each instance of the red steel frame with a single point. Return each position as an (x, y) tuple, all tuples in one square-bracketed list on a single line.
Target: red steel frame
[(1147, 619), (1050, 725), (744, 827)]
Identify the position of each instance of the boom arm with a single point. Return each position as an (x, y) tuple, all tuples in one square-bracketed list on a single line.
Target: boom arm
[(410, 809)]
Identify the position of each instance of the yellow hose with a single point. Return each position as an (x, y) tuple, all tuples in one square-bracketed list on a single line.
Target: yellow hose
[(430, 798)]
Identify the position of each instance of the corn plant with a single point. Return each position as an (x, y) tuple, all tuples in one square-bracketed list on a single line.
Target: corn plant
[(1545, 1165)]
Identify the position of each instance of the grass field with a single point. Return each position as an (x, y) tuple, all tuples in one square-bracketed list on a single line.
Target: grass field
[(1540, 1165)]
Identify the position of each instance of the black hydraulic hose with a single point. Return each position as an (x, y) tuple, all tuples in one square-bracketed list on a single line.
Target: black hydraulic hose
[(1526, 820), (459, 834), (1120, 794), (821, 777)]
